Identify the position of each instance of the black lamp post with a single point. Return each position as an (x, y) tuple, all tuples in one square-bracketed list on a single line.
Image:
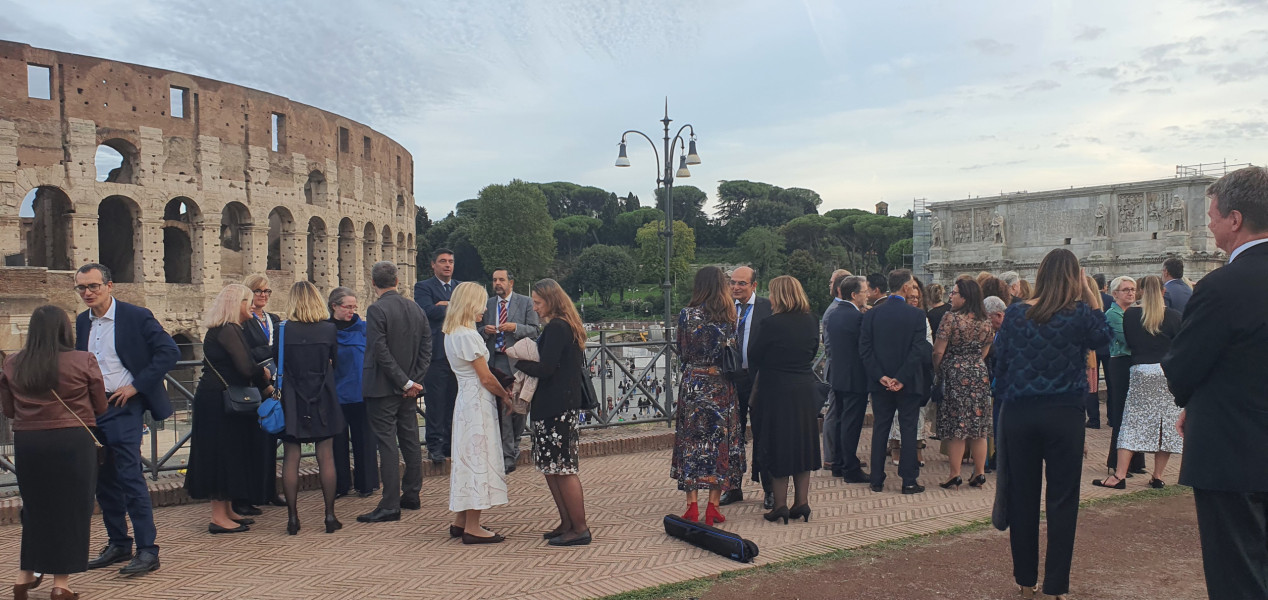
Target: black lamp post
[(666, 178)]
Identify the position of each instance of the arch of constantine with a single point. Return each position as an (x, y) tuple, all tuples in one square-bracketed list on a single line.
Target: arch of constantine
[(211, 182)]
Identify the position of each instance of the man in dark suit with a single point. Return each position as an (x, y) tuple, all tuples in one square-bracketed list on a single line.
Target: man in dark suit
[(832, 416), (894, 350), (848, 377), (508, 318), (750, 311), (134, 354), (397, 354), (1216, 371), (440, 388), (1175, 292)]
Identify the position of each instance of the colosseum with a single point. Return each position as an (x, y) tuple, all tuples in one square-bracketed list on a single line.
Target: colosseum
[(209, 182)]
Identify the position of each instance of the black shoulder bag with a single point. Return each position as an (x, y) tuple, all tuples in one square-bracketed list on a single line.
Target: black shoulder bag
[(238, 399)]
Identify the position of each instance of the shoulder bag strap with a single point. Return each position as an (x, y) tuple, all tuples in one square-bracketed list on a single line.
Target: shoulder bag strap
[(214, 371), (281, 355), (95, 441)]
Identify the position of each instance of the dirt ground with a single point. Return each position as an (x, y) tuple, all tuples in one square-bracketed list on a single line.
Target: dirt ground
[(1130, 550)]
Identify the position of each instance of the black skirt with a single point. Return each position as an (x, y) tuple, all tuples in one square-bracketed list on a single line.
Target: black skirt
[(785, 416), (60, 467), (224, 458)]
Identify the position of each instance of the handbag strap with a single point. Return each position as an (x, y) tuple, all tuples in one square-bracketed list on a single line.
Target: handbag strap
[(217, 373), (95, 441), (281, 355)]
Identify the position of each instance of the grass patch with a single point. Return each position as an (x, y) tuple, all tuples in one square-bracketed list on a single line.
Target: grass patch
[(694, 588)]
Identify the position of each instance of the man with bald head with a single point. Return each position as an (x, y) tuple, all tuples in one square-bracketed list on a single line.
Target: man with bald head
[(750, 311)]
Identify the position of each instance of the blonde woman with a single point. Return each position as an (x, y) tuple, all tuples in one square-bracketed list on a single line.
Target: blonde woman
[(477, 481), (309, 402), (220, 449), (261, 336), (556, 408), (1151, 412)]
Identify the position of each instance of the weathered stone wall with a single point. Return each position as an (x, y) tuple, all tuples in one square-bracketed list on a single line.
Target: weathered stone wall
[(202, 199), (1120, 229)]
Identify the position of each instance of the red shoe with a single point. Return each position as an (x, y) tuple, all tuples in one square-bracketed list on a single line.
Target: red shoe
[(711, 515), (692, 514)]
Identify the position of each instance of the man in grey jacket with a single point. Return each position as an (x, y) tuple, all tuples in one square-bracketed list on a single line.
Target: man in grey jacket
[(398, 351), (508, 318)]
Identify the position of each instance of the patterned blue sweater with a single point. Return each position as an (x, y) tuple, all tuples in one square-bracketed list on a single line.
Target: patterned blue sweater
[(1048, 359)]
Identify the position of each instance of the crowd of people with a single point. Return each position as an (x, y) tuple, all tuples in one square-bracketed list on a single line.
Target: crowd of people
[(991, 366)]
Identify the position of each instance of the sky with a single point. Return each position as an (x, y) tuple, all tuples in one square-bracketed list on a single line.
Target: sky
[(861, 102)]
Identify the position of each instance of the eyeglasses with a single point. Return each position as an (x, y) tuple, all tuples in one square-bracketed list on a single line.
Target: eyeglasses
[(738, 283), (262, 292), (954, 293), (348, 307), (92, 287)]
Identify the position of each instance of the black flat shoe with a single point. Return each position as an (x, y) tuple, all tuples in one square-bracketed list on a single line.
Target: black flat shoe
[(977, 481), (731, 497), (954, 482), (276, 501), (581, 540), (877, 487), (411, 503), (1157, 484), (800, 512), (857, 477), (244, 521), (247, 510), (365, 494), (478, 539), (777, 514), (768, 503), (554, 533), (1121, 485), (455, 531), (380, 515), (214, 528), (333, 524)]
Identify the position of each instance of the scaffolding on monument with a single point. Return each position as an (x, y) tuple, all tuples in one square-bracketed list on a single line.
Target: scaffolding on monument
[(921, 239), (1208, 169)]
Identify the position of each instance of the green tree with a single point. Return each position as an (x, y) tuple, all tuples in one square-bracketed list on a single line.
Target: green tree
[(813, 277), (808, 232), (630, 204), (763, 248), (765, 213), (734, 196), (807, 201), (628, 224), (651, 251), (513, 229), (605, 270), (896, 256), (688, 204), (575, 231)]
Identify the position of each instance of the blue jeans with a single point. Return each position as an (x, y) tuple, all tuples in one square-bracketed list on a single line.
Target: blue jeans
[(121, 489)]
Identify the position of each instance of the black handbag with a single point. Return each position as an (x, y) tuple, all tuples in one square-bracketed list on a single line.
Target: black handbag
[(238, 399), (589, 397), (717, 541), (732, 362)]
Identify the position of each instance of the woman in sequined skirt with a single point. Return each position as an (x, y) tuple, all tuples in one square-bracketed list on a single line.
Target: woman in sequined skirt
[(708, 449), (1150, 414)]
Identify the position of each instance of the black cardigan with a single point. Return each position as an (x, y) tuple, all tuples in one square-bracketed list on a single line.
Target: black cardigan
[(1149, 349), (558, 372)]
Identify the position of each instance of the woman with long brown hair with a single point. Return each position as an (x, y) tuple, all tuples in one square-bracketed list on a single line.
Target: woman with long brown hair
[(708, 448), (964, 416), (785, 402), (1041, 375), (52, 393), (1150, 413), (556, 408)]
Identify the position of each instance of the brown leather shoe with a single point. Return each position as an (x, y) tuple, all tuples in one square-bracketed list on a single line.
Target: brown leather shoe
[(63, 594), (473, 539), (20, 589)]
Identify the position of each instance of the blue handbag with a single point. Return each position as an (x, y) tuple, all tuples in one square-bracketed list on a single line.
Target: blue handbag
[(270, 412)]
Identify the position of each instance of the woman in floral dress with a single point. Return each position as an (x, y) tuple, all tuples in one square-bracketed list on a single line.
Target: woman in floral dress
[(708, 449), (964, 338)]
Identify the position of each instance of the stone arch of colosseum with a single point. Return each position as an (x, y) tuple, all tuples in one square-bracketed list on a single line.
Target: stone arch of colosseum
[(214, 181)]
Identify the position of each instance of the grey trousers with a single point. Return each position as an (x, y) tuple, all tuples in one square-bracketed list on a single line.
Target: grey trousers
[(394, 421), (832, 432), (512, 425)]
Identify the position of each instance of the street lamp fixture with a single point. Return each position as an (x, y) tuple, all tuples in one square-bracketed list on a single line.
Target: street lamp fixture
[(624, 161), (682, 168)]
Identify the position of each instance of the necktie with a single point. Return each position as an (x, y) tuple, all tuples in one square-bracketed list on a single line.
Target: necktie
[(739, 334), (500, 345), (446, 286)]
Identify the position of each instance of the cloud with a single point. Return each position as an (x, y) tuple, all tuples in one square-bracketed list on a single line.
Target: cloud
[(1089, 33), (990, 47), (1043, 85)]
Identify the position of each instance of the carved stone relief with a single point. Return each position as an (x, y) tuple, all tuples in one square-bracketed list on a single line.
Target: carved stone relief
[(1131, 213), (962, 227), (981, 225)]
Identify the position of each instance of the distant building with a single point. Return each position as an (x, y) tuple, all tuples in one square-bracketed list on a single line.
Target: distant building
[(882, 208)]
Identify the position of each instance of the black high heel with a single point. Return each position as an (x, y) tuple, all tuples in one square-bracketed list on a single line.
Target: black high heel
[(333, 524), (802, 512), (292, 525), (978, 481), (777, 514), (954, 482)]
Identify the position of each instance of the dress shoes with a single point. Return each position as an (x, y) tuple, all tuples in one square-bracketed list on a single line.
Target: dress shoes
[(365, 494), (914, 488), (214, 528), (244, 521), (1136, 470), (436, 458), (380, 515), (246, 510), (581, 540), (467, 538), (20, 590), (731, 497), (877, 487), (109, 556), (144, 562), (411, 503), (769, 502), (63, 594), (275, 501), (857, 477), (510, 469)]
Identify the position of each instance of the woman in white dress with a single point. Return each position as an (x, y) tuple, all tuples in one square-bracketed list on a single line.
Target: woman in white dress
[(477, 479)]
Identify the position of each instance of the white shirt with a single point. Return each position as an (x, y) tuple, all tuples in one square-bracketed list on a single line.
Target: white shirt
[(748, 324), (1244, 247), (101, 344)]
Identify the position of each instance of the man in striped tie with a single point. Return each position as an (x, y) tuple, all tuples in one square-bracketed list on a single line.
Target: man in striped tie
[(508, 318)]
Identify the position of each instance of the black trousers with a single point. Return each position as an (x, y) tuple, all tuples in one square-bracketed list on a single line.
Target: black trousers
[(440, 392), (884, 405), (743, 390), (1234, 531), (1093, 405), (360, 439), (853, 411), (1043, 434), (1117, 377)]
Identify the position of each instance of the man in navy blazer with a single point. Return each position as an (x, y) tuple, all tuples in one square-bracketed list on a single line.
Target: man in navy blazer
[(1175, 292), (847, 374), (134, 354), (894, 350), (440, 386)]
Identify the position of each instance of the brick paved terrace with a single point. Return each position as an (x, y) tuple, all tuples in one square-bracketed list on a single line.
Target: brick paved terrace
[(626, 496)]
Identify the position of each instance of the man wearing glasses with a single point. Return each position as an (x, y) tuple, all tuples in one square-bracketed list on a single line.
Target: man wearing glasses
[(750, 311), (134, 354)]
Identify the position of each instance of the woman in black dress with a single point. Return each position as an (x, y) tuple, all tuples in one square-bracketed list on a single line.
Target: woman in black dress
[(556, 408), (220, 449), (785, 401), (261, 335), (307, 349), (52, 393)]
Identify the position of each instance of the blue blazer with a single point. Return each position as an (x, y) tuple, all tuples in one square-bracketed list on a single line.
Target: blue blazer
[(427, 293), (892, 343), (145, 350), (842, 329)]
